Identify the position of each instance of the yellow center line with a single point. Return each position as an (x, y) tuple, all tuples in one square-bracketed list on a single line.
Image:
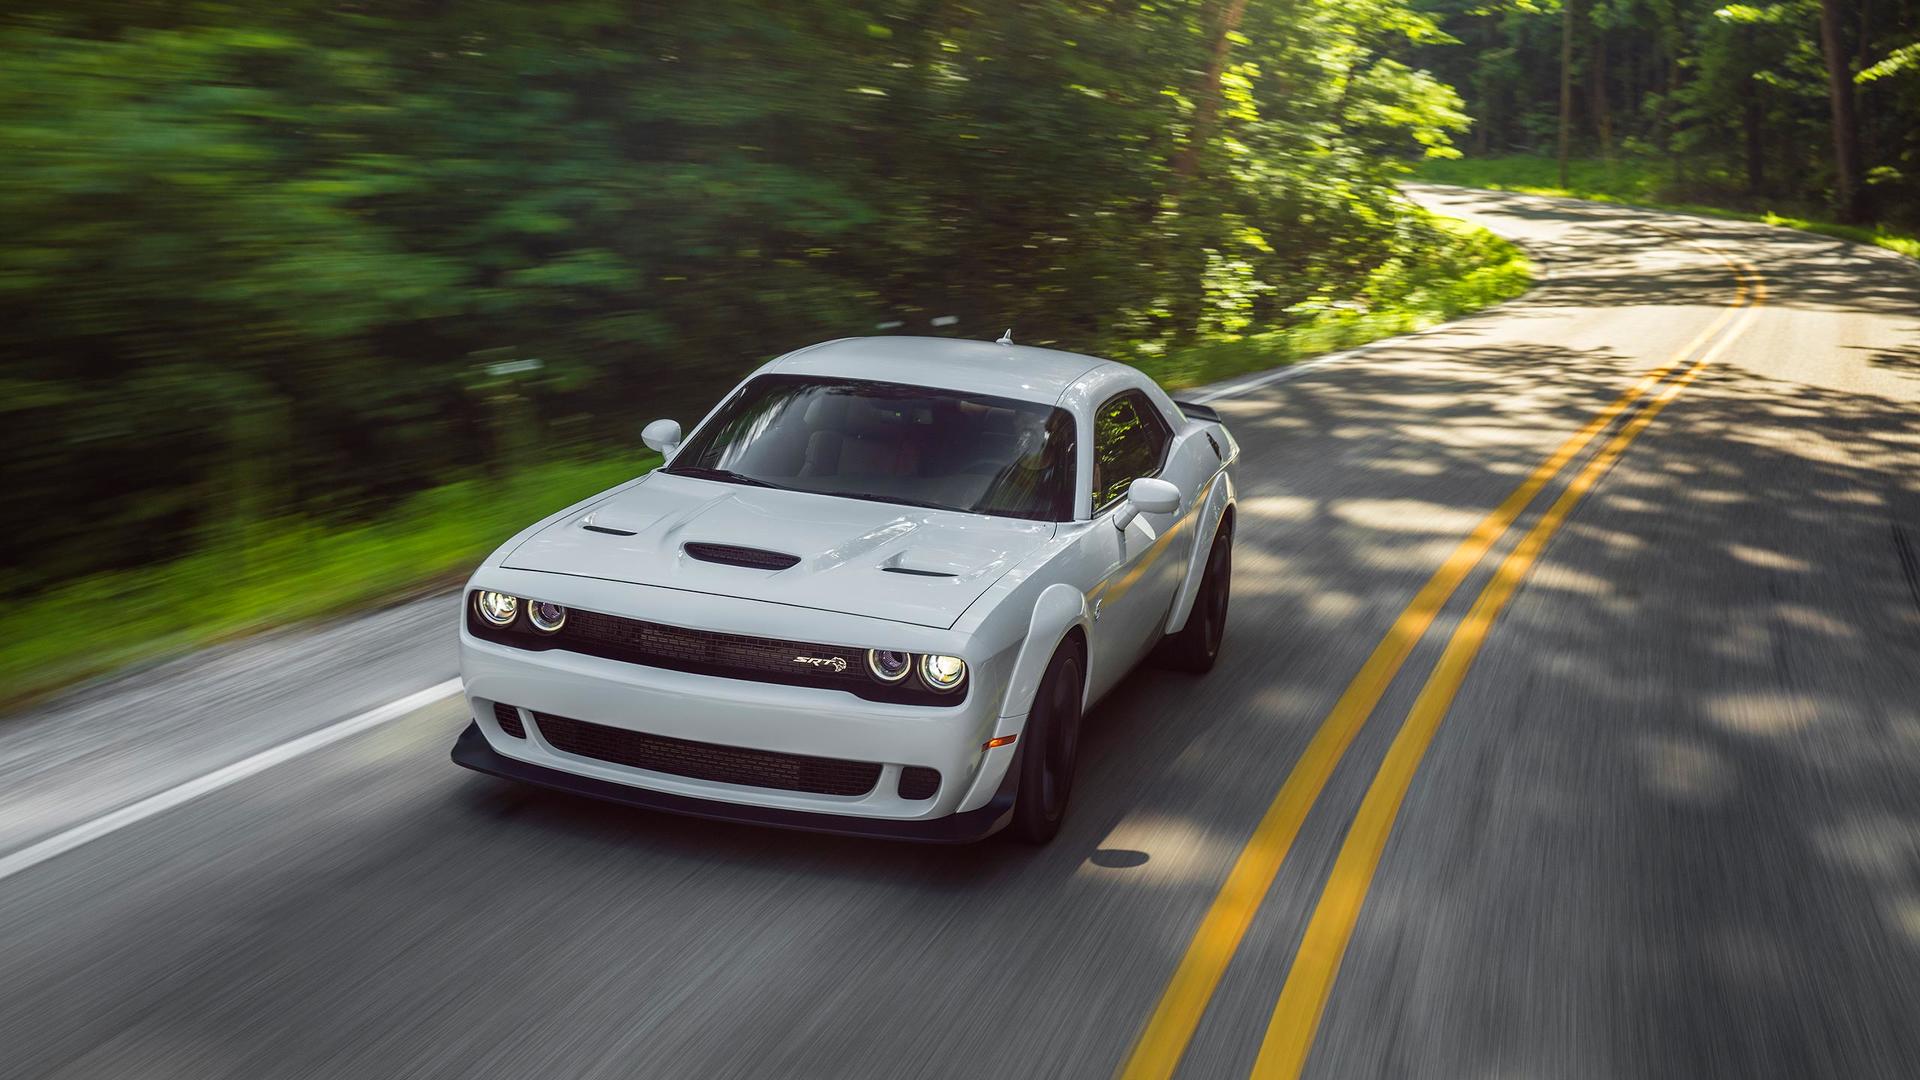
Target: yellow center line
[(1157, 1052), (1303, 998)]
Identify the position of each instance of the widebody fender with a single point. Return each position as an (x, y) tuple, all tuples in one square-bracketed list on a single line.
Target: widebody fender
[(1219, 496), (1060, 608)]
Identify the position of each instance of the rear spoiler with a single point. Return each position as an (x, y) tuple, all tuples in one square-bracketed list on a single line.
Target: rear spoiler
[(1193, 410)]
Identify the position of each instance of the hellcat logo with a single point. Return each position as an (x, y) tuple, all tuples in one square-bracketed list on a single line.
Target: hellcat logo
[(834, 662)]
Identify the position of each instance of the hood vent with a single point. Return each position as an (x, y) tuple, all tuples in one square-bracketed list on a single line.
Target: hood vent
[(752, 558), (916, 573), (608, 531)]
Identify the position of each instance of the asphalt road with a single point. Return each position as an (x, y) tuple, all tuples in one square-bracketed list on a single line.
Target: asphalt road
[(1668, 826)]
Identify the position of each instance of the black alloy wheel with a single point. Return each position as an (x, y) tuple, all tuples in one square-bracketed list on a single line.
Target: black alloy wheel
[(1050, 750)]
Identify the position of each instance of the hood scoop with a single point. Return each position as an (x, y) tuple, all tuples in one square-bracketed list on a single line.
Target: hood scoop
[(734, 555), (589, 524), (917, 573)]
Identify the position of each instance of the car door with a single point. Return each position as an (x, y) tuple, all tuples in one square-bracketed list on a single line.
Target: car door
[(1131, 439)]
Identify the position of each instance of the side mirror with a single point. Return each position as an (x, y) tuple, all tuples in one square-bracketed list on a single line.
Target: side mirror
[(661, 435), (1148, 495)]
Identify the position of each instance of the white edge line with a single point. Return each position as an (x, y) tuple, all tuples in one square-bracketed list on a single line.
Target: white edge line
[(1291, 371), (63, 842)]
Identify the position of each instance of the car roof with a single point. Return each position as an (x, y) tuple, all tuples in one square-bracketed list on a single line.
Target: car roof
[(978, 367)]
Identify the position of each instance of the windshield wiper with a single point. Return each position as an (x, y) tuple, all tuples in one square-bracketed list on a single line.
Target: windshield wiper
[(700, 472)]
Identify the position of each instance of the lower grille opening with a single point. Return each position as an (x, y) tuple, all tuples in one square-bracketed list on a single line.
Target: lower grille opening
[(709, 761), (508, 718), (918, 782)]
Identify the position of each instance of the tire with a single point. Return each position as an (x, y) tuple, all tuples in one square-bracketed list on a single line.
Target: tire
[(1197, 645), (1049, 750)]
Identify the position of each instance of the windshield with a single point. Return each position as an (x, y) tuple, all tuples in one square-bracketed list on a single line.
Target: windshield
[(890, 443)]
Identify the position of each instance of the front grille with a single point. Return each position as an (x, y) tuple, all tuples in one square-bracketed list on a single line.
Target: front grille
[(919, 782), (709, 652), (508, 718), (708, 761), (754, 558)]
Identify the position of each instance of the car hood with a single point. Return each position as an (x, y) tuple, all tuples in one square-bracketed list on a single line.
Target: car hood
[(882, 560)]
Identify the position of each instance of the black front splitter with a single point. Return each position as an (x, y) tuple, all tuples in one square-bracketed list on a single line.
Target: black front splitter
[(473, 751)]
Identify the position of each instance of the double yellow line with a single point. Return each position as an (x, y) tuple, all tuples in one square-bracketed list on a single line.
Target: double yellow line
[(1303, 997)]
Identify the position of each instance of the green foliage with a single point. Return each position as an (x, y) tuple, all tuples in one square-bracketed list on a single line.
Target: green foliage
[(261, 260), (287, 570), (283, 270), (1458, 269), (1903, 59)]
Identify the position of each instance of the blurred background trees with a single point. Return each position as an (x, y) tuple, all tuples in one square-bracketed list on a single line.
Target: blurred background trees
[(306, 261), (312, 257), (1803, 103)]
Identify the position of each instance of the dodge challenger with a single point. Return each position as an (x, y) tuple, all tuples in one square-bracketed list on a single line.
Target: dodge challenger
[(873, 592)]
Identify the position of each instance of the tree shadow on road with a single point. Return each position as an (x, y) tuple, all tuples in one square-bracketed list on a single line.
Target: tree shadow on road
[(1694, 744)]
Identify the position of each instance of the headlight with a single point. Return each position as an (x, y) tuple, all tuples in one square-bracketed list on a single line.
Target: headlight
[(546, 616), (888, 665), (943, 673), (496, 607)]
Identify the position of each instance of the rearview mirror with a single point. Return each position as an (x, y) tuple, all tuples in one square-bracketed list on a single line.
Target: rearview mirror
[(662, 435), (1147, 495)]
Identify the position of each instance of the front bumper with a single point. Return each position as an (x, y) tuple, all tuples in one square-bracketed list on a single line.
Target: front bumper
[(750, 716), (473, 751)]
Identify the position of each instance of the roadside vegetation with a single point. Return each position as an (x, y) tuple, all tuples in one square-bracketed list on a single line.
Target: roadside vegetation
[(1642, 182), (282, 571), (303, 305)]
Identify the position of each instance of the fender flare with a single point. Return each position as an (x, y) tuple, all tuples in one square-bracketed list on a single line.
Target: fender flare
[(1219, 499), (1060, 608)]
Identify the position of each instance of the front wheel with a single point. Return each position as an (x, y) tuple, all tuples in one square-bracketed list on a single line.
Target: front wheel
[(1050, 750), (1197, 645)]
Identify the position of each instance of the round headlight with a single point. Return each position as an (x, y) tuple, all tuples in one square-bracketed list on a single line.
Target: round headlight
[(496, 607), (943, 673), (546, 616), (888, 665)]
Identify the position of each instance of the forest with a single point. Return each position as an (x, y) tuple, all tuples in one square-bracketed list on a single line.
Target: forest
[(316, 257), (1810, 106), (306, 304)]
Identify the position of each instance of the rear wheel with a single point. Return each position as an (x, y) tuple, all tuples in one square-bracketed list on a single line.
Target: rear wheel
[(1050, 750), (1197, 645)]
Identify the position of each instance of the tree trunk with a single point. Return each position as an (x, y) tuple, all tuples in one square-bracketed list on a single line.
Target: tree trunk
[(1862, 61), (1846, 142), (1630, 79), (1566, 84), (1753, 119), (1206, 98), (1597, 90)]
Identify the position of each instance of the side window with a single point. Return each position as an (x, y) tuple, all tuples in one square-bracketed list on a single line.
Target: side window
[(1130, 440)]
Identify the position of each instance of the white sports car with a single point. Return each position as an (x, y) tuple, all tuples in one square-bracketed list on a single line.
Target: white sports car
[(872, 593)]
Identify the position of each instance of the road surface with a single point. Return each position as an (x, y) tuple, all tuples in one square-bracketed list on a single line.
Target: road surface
[(1640, 799)]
